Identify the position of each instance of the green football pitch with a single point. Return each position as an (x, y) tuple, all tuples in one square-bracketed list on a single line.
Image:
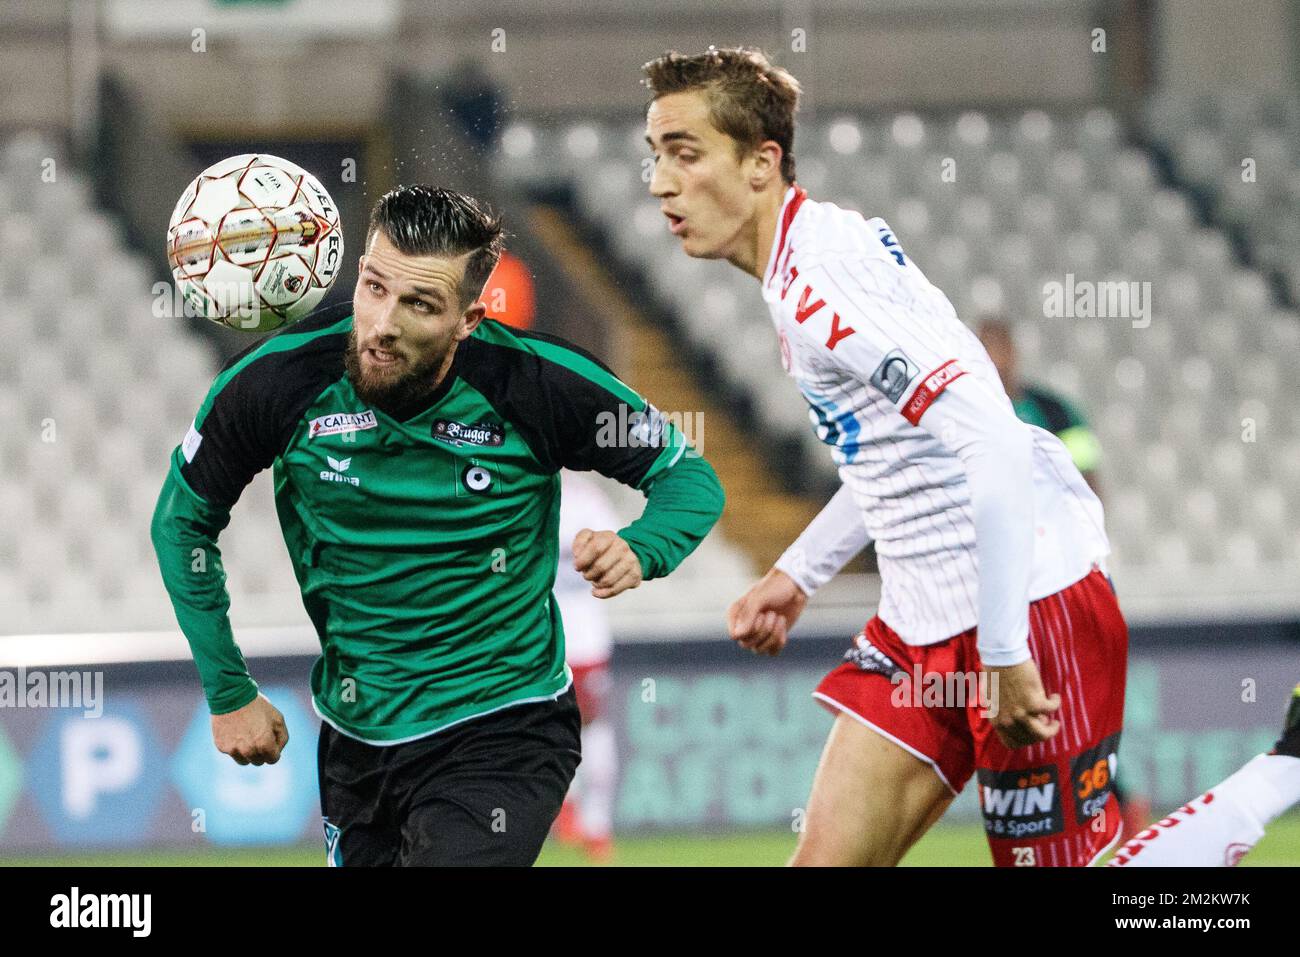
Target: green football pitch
[(947, 845)]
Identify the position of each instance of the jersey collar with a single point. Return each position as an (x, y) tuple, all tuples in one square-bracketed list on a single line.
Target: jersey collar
[(794, 197)]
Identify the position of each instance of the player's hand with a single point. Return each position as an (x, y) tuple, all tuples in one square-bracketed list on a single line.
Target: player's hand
[(761, 618), (255, 734), (1020, 710), (607, 562)]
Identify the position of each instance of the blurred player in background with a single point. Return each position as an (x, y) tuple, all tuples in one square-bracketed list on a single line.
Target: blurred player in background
[(1039, 406), (416, 449), (1220, 827), (988, 538), (587, 817)]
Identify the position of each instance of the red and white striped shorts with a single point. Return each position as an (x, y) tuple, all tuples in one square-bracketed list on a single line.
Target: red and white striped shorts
[(1048, 804)]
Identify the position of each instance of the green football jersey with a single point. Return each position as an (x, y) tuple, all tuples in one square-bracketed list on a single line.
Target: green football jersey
[(424, 540)]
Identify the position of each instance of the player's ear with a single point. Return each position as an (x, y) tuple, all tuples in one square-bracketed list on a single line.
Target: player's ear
[(470, 319), (767, 163)]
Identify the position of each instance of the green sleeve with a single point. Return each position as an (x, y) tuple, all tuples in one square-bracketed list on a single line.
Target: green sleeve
[(684, 500), (583, 417), (184, 532)]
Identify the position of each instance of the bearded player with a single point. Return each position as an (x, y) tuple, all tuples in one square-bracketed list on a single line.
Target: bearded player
[(989, 541), (416, 449)]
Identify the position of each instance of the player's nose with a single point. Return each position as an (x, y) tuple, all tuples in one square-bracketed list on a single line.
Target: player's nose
[(662, 184), (385, 329)]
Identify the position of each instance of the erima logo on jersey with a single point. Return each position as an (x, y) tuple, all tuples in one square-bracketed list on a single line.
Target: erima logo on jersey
[(337, 422), (893, 374), (338, 466)]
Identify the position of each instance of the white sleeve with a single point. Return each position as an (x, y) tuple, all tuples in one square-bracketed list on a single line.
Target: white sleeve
[(906, 342), (997, 450), (829, 542)]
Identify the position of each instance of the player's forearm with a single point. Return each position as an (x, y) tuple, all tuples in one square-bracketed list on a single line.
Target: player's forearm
[(1002, 503), (184, 533), (682, 505), (830, 542), (997, 452)]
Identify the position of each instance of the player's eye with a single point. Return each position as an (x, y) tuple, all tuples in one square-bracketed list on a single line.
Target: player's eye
[(375, 287), (422, 306)]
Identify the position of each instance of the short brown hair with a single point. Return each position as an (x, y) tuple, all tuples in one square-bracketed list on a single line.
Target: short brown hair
[(750, 100)]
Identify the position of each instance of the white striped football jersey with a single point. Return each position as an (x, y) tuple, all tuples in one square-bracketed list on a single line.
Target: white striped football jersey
[(872, 344)]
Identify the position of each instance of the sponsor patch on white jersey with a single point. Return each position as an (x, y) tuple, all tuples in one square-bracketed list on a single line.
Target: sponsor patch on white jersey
[(337, 422), (894, 374)]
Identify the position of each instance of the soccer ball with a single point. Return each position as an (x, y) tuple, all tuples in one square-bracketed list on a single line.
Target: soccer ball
[(254, 243)]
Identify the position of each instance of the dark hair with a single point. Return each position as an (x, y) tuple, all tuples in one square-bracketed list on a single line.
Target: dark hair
[(428, 220), (750, 100)]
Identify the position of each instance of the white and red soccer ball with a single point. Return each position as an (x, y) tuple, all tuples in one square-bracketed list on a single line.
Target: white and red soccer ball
[(254, 243)]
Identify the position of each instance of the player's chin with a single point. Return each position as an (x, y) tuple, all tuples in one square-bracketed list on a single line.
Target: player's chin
[(699, 248)]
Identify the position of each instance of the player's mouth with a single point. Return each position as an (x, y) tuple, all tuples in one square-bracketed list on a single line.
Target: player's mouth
[(676, 224), (381, 357)]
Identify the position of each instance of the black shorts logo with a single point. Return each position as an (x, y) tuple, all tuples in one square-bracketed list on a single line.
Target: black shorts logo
[(458, 433), (1021, 804)]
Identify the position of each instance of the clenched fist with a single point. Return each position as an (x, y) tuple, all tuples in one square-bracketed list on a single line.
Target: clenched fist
[(761, 618), (606, 561), (1021, 711), (254, 734)]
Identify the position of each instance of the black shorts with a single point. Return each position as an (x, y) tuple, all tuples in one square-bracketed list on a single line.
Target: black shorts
[(484, 792)]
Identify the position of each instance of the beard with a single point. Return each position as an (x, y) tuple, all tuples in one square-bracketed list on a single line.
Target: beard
[(393, 388)]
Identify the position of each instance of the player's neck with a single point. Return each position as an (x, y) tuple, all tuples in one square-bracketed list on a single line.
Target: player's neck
[(757, 238)]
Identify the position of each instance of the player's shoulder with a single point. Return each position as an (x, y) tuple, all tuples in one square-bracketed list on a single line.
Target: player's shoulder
[(505, 353), (298, 360), (323, 330), (825, 233), (495, 337), (859, 264)]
